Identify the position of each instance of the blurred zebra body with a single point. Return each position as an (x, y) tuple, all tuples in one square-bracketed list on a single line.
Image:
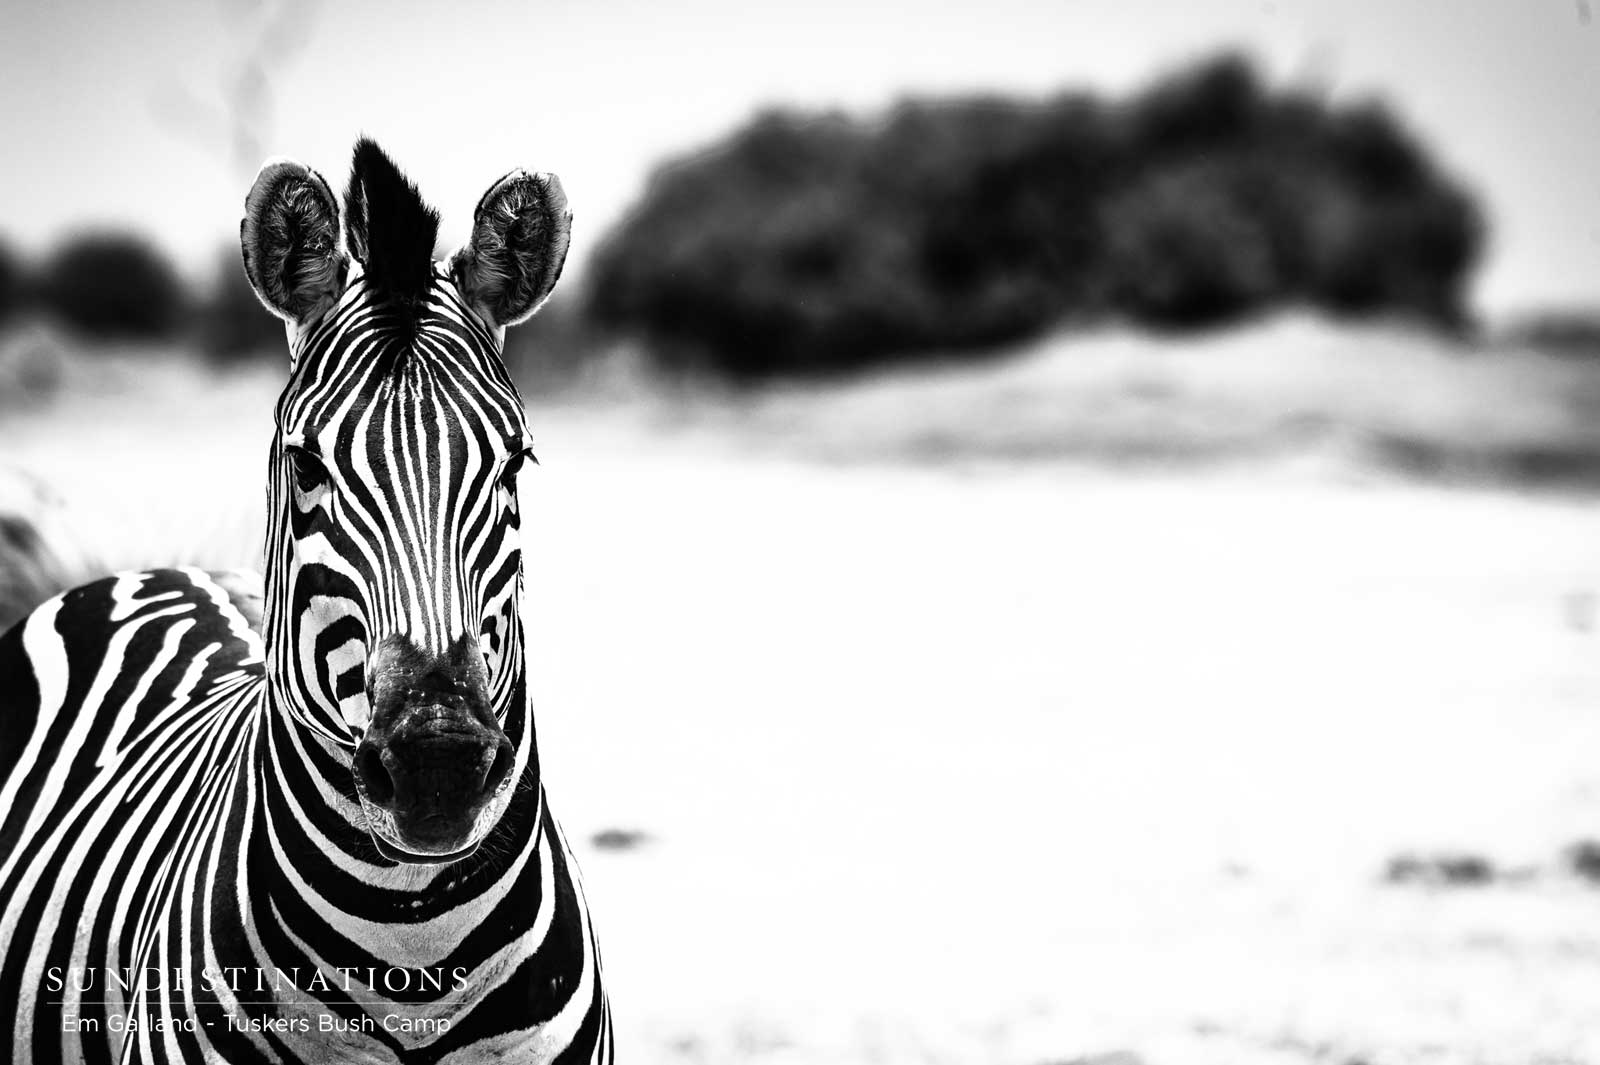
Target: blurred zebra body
[(39, 555), (302, 820)]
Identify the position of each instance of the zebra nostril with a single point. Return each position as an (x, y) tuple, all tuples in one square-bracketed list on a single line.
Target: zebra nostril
[(374, 777), (503, 757)]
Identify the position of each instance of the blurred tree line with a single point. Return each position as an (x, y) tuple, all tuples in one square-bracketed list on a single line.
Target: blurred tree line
[(812, 243), (809, 243), (117, 285)]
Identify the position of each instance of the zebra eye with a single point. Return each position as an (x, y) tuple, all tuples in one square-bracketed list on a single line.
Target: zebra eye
[(309, 472), (508, 478)]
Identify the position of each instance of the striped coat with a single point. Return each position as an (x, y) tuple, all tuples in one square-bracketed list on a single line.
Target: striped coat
[(301, 820)]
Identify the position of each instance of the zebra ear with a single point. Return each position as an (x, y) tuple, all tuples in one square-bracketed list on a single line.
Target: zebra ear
[(520, 233), (290, 240)]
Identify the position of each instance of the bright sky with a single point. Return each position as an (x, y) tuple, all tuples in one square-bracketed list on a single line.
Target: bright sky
[(110, 108)]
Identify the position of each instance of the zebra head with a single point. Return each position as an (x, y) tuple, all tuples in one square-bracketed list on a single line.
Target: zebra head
[(393, 566)]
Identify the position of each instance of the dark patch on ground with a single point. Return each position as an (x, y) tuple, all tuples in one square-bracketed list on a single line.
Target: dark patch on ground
[(1441, 870), (1583, 858), (1114, 1057), (1574, 465), (619, 839)]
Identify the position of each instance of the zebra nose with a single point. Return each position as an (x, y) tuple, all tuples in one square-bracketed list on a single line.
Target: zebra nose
[(436, 768)]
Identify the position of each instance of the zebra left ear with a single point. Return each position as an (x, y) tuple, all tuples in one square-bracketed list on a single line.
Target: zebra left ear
[(520, 233)]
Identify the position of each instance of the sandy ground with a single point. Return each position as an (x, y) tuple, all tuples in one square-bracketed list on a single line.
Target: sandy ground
[(1014, 764)]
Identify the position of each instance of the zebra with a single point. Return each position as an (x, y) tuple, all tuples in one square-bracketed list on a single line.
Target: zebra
[(300, 818)]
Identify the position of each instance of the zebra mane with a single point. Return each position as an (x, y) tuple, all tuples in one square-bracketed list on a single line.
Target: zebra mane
[(389, 227)]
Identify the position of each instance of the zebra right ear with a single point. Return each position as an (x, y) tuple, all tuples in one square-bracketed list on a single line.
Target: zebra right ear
[(290, 240)]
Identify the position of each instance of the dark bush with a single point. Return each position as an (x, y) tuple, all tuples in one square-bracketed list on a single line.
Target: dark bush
[(1573, 333), (113, 285), (817, 243), (232, 322), (552, 351), (12, 283), (1194, 244), (1584, 859), (1217, 104), (1441, 870)]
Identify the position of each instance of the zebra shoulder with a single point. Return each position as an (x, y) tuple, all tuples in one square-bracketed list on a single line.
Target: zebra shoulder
[(87, 671)]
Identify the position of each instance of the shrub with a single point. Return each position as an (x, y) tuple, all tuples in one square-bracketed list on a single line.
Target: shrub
[(12, 283), (113, 285), (231, 321), (1573, 333), (1192, 245), (554, 351), (1391, 233), (818, 242), (33, 366), (1584, 858)]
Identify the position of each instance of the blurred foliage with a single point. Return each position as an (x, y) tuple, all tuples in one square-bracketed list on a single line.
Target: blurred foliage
[(13, 294), (39, 555), (815, 243), (552, 351), (1572, 333), (33, 366), (113, 285), (231, 322)]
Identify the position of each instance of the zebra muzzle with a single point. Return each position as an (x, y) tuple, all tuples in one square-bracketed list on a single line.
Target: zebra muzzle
[(433, 756), (434, 774)]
